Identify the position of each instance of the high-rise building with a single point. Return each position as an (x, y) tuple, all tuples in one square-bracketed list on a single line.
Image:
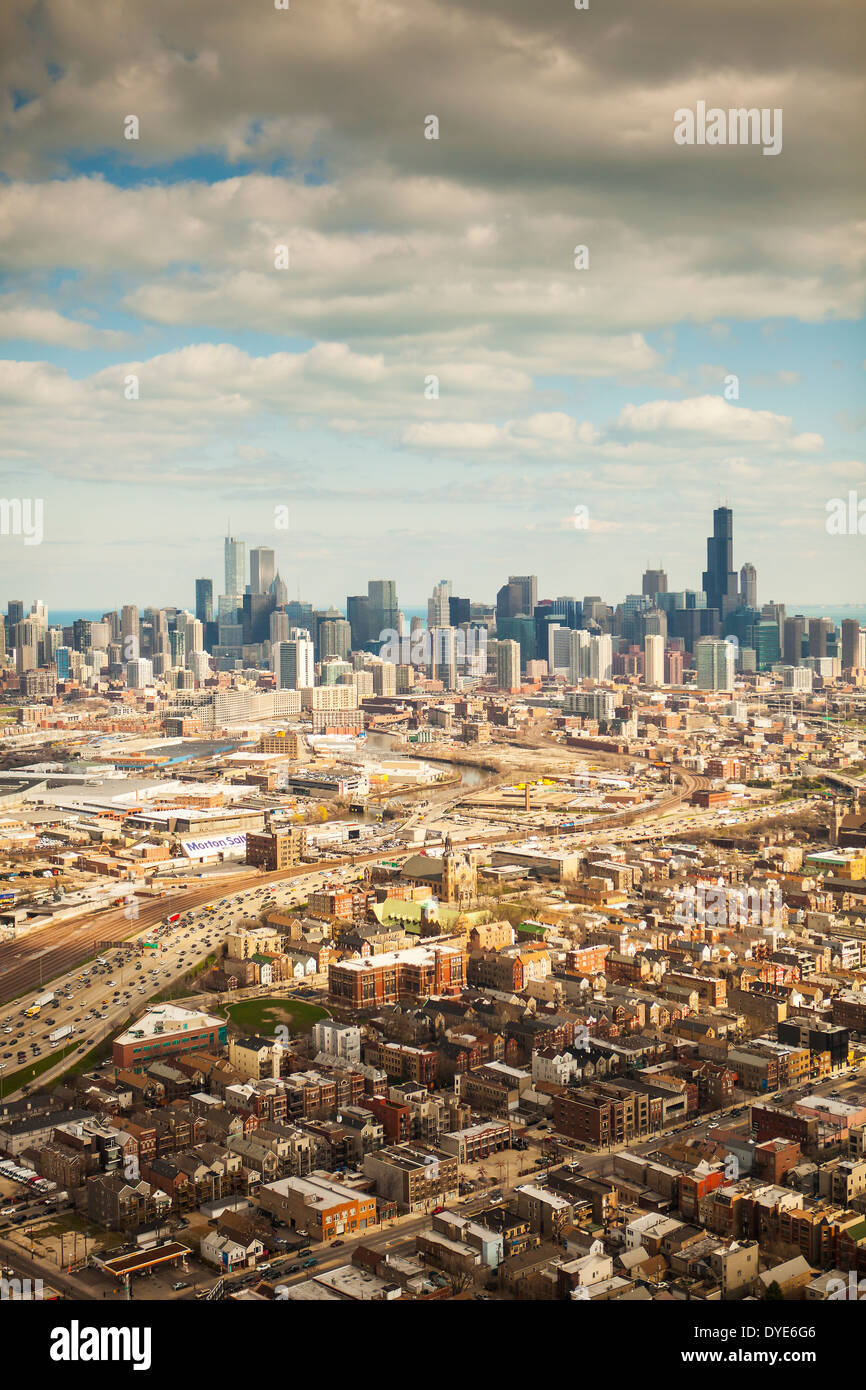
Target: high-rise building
[(853, 644), (15, 612), (382, 595), (673, 667), (129, 631), (235, 567), (204, 600), (509, 601), (600, 657), (714, 660), (508, 664), (262, 570), (578, 656), (459, 611), (384, 678), (438, 612), (335, 638), (654, 659), (139, 673), (528, 585), (794, 632), (719, 579), (820, 630), (748, 587), (279, 626), (654, 582), (358, 614), (444, 656), (294, 666)]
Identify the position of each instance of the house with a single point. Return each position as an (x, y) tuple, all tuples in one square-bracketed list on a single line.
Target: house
[(228, 1254)]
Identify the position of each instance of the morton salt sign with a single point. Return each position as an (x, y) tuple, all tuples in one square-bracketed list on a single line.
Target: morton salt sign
[(228, 846)]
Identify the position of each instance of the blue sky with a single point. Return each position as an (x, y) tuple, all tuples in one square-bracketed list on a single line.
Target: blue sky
[(262, 387)]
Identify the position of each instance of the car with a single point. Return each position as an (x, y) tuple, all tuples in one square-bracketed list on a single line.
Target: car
[(179, 1285)]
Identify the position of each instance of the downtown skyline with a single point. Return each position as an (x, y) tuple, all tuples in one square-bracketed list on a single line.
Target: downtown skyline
[(286, 267)]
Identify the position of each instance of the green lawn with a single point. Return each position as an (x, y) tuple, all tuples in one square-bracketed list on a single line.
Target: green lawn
[(264, 1015), (14, 1080)]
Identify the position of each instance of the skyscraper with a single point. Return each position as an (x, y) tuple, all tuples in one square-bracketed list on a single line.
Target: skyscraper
[(715, 664), (820, 630), (262, 570), (748, 587), (578, 656), (235, 566), (853, 644), (358, 614), (294, 666), (382, 595), (600, 657), (508, 664), (443, 656), (794, 631), (438, 612), (204, 600), (719, 579), (654, 659), (654, 582), (129, 631), (528, 584)]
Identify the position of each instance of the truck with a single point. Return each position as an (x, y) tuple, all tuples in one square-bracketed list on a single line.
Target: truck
[(175, 917), (64, 1032), (38, 1004)]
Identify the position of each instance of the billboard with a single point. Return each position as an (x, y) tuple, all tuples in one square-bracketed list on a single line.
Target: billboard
[(232, 845)]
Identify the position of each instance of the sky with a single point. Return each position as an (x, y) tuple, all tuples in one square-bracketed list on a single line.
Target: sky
[(330, 318)]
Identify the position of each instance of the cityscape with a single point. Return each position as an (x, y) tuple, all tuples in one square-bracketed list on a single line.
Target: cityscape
[(493, 932), (518, 953)]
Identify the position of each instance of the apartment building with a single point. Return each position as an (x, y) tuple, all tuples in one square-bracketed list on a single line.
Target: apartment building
[(396, 975), (417, 1177)]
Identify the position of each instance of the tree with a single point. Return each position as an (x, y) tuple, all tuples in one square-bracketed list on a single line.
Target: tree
[(774, 1294)]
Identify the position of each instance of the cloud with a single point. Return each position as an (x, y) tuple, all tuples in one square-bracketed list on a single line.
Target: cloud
[(714, 419)]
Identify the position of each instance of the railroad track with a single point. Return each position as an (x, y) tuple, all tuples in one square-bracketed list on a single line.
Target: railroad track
[(45, 953)]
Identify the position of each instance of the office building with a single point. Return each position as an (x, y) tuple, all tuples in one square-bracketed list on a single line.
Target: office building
[(528, 586), (719, 579), (820, 632), (235, 567), (654, 659), (853, 644), (262, 569), (295, 666), (600, 657), (383, 608), (578, 656), (438, 611), (794, 631), (335, 638), (748, 587), (508, 664), (715, 664), (358, 615), (654, 582), (139, 673), (204, 609)]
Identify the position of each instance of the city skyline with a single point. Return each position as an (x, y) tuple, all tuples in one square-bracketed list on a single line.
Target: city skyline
[(234, 295)]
